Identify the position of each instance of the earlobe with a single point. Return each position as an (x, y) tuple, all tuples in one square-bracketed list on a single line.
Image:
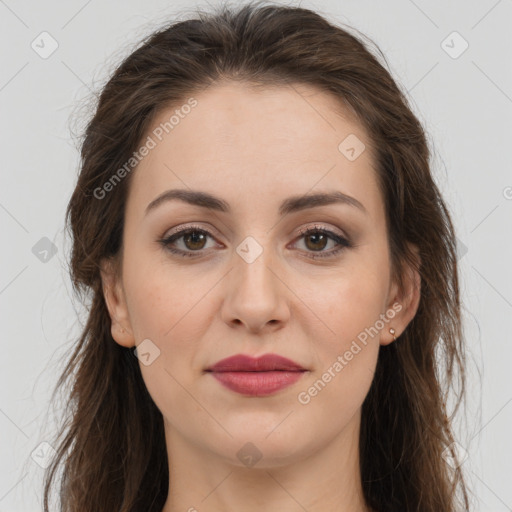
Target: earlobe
[(404, 300), (116, 305)]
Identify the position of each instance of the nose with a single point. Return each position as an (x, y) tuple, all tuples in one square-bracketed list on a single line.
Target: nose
[(255, 295)]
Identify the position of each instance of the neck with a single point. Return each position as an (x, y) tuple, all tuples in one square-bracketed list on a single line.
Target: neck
[(315, 480)]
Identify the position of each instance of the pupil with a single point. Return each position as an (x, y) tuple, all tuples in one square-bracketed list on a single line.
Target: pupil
[(195, 236), (318, 235)]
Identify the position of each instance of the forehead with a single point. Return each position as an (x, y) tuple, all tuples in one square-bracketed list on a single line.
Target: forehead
[(242, 142)]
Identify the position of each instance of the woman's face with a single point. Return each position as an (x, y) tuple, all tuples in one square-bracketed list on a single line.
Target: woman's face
[(246, 280)]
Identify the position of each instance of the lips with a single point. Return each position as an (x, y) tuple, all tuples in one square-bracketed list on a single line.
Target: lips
[(260, 376), (264, 363)]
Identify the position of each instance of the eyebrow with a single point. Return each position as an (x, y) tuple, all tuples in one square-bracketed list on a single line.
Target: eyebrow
[(289, 205)]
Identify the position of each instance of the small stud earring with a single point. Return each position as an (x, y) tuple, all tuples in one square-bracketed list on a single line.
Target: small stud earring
[(392, 331)]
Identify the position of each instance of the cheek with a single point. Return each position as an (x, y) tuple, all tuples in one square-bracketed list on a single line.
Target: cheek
[(352, 304), (170, 307), (347, 357), (162, 299), (161, 312), (351, 307)]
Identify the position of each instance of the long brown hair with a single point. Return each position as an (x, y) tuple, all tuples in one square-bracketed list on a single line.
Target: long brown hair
[(111, 445)]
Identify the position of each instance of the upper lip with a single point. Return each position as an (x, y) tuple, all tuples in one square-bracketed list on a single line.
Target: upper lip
[(264, 363)]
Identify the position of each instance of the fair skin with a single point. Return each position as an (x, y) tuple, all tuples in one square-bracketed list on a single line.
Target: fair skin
[(253, 149)]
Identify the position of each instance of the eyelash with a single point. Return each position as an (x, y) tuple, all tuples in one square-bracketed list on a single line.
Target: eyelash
[(342, 242)]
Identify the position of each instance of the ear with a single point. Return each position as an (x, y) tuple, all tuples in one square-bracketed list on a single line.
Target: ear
[(116, 304), (403, 301)]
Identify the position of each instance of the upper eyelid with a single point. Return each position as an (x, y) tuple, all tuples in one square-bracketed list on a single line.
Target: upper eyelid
[(192, 227), (321, 227)]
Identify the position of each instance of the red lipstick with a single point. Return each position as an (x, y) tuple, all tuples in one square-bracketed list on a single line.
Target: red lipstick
[(259, 376)]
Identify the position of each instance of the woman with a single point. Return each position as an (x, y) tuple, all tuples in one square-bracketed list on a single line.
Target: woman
[(272, 271)]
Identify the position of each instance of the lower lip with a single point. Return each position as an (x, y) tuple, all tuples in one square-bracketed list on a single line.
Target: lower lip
[(257, 383)]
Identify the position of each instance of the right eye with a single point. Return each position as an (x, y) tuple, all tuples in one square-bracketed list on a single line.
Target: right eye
[(192, 237)]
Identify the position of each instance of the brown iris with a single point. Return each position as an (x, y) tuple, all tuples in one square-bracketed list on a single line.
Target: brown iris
[(194, 237), (320, 239)]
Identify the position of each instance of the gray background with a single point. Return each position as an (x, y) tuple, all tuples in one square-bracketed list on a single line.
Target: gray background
[(465, 104)]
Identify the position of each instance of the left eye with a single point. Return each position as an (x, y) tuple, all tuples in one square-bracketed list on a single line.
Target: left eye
[(319, 236), (194, 240)]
